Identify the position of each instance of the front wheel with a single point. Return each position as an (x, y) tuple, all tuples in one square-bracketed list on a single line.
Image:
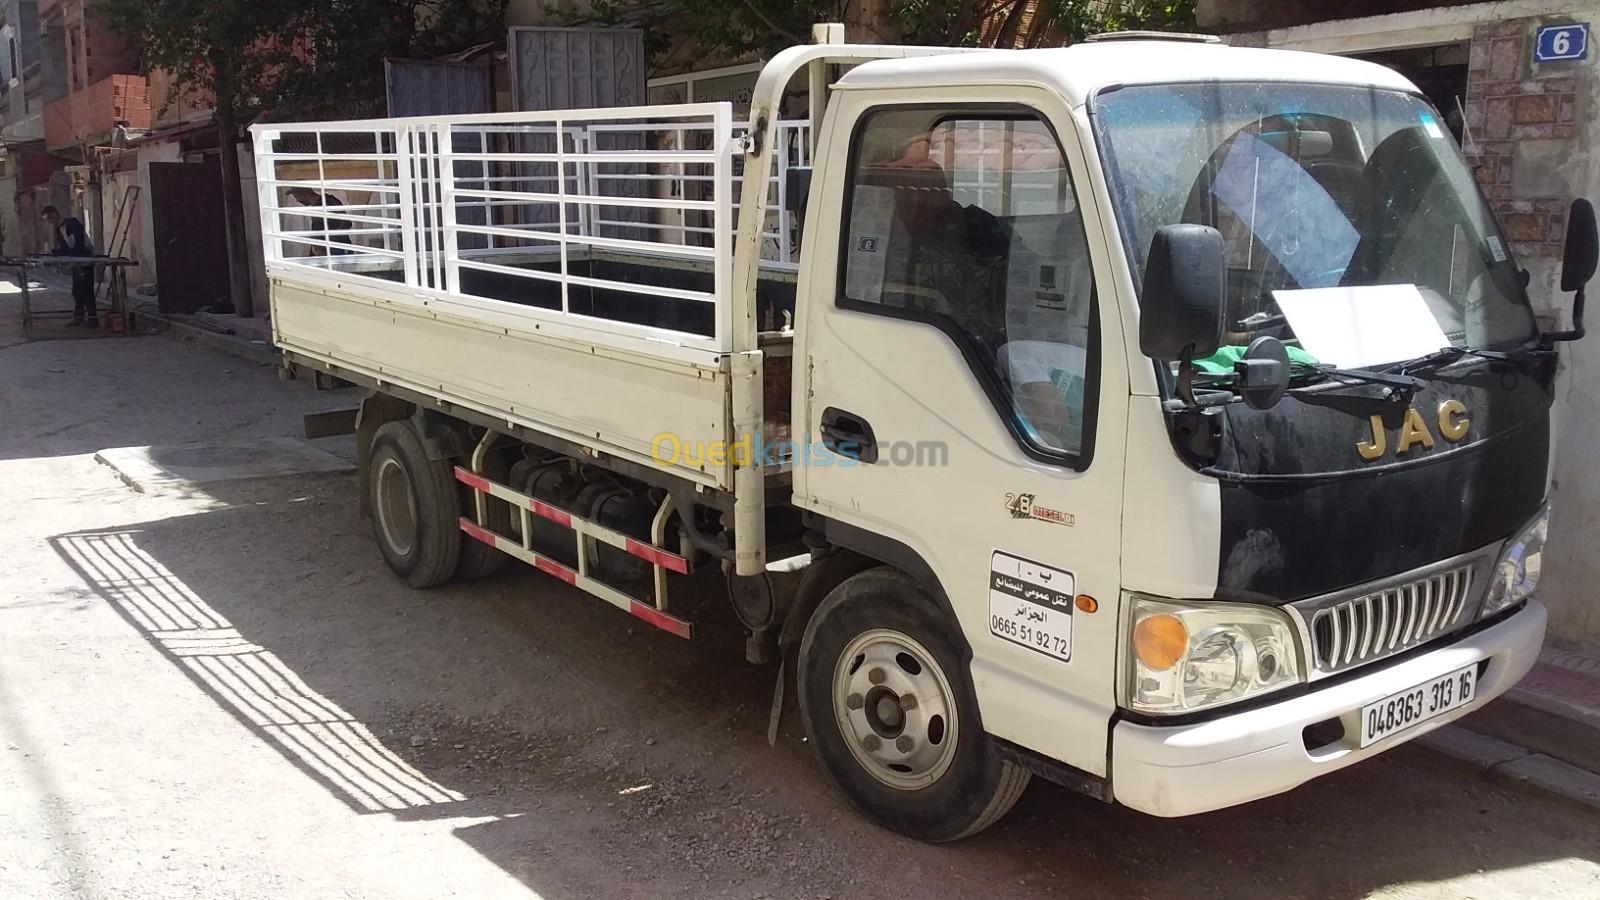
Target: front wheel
[(891, 714)]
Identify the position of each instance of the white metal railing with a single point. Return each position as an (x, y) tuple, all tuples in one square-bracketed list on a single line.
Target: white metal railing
[(617, 221)]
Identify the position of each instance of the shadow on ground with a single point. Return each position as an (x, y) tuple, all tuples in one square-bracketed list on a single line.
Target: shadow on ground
[(618, 761)]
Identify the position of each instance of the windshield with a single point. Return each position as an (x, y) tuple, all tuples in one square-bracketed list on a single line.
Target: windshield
[(1353, 230)]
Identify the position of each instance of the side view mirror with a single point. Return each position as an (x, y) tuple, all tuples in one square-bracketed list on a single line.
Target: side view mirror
[(1180, 308), (1578, 264), (1583, 247)]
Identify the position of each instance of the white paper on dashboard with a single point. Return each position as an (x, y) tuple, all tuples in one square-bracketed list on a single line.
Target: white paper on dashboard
[(1351, 327)]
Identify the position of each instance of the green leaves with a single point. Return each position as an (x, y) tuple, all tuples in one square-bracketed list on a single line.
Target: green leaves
[(738, 29), (295, 58)]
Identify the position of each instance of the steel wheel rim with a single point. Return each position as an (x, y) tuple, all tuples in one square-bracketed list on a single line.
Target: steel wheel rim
[(396, 507), (895, 709)]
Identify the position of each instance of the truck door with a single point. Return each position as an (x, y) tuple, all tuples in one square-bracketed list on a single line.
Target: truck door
[(964, 391)]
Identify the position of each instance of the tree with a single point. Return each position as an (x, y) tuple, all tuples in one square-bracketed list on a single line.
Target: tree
[(291, 58), (735, 29)]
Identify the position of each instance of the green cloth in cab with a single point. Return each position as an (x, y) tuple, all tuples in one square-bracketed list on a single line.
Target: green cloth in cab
[(1221, 362)]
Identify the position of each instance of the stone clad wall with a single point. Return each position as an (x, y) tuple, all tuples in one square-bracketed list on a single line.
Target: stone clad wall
[(1522, 134)]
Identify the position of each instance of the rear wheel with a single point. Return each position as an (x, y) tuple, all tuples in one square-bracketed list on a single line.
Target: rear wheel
[(414, 507), (891, 714)]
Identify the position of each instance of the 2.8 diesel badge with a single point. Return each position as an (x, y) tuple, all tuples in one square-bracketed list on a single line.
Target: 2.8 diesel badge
[(1452, 420)]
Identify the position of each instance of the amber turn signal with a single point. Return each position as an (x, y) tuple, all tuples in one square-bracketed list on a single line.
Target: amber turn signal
[(1160, 640), (1087, 603)]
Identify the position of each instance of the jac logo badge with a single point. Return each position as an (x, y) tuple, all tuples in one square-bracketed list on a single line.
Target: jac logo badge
[(1022, 506), (1451, 419)]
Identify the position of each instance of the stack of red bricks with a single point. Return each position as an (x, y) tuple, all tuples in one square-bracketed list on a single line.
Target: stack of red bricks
[(1510, 100)]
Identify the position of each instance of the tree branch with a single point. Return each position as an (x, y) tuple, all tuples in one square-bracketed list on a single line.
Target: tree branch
[(750, 5)]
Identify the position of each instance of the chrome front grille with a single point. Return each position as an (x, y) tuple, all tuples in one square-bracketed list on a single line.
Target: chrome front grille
[(1376, 624)]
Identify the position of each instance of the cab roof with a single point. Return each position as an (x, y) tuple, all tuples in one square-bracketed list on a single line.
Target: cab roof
[(1077, 72)]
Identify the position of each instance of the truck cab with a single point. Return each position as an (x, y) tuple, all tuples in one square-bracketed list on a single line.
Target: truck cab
[(1164, 419), (1197, 598)]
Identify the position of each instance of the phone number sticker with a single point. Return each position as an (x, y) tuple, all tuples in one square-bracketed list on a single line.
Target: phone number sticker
[(1031, 604)]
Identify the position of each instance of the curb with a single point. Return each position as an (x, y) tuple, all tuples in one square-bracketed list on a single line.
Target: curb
[(1542, 724), (1514, 766), (232, 345)]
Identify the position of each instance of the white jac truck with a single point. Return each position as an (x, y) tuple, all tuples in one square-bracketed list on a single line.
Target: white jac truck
[(1164, 419)]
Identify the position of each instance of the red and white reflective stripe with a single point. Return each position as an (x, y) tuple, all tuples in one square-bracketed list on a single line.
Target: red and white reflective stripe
[(672, 562), (661, 620), (650, 553), (664, 621), (554, 513)]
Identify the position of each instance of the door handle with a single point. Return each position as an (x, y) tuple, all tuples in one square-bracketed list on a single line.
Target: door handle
[(848, 434)]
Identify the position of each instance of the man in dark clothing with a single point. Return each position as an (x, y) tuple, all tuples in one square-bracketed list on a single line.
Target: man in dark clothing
[(331, 228), (70, 239)]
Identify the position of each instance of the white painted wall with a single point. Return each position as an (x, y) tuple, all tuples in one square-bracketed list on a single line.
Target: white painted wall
[(145, 252)]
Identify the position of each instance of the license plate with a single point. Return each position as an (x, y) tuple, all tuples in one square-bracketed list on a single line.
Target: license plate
[(1397, 712)]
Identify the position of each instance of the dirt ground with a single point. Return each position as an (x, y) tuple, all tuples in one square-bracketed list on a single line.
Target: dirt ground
[(221, 692)]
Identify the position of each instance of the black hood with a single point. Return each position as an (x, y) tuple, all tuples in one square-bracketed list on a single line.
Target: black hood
[(1305, 512)]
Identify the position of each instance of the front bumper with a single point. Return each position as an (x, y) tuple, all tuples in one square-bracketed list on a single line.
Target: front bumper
[(1185, 769)]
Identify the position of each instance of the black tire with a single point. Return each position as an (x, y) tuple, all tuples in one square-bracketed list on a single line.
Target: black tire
[(479, 560), (975, 786), (423, 547)]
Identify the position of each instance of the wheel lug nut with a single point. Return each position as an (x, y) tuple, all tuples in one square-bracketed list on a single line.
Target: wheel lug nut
[(875, 675), (909, 701), (854, 701), (903, 743), (870, 743)]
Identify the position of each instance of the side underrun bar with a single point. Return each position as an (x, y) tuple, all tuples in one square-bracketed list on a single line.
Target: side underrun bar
[(658, 557)]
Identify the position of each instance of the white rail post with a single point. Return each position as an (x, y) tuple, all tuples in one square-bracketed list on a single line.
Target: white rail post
[(722, 231), (435, 184), (447, 200), (561, 232), (267, 196), (742, 338), (322, 200), (404, 159), (382, 167)]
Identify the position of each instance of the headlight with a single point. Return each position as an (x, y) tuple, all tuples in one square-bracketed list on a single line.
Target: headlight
[(1189, 656), (1517, 571)]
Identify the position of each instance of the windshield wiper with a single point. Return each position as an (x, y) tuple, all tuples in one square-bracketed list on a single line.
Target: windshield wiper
[(1429, 363), (1400, 381)]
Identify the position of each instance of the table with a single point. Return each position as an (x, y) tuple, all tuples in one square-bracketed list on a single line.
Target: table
[(114, 314)]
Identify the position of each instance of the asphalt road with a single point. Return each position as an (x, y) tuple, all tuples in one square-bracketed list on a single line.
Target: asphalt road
[(221, 692)]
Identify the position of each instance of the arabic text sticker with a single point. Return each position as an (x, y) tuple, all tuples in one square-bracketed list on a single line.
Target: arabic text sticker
[(1031, 604)]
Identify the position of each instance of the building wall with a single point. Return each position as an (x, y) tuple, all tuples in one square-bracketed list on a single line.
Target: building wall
[(170, 107), (19, 48), (1532, 135), (11, 236), (140, 245), (1222, 16)]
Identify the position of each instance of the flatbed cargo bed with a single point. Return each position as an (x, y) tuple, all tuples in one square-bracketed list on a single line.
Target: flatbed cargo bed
[(595, 307)]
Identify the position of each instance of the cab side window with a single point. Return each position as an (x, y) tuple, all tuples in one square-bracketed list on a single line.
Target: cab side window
[(968, 221)]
